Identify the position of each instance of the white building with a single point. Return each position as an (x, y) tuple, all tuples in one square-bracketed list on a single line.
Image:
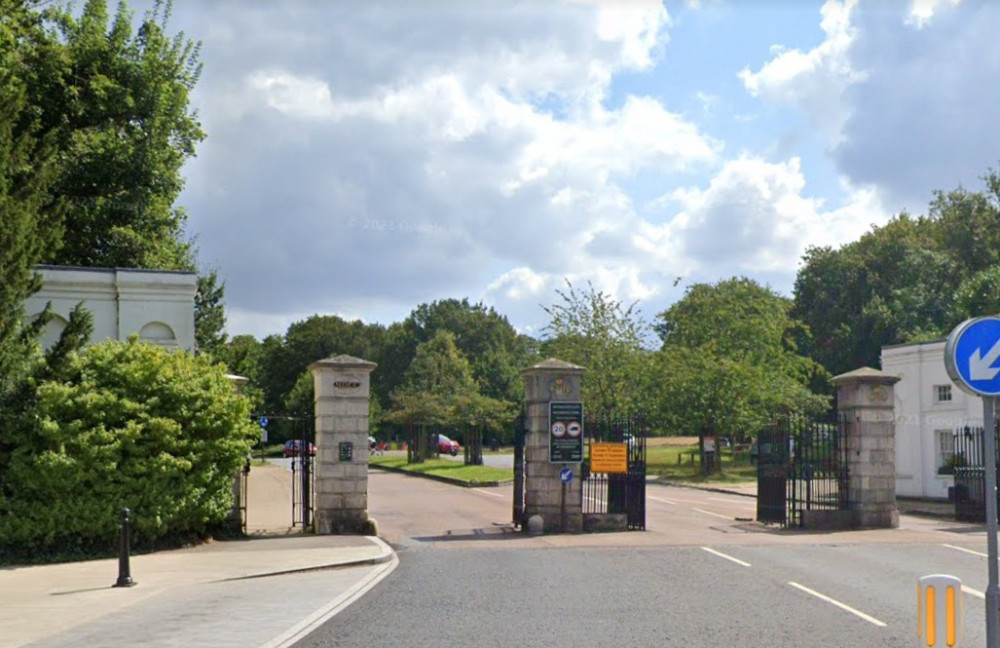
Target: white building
[(156, 304), (929, 408)]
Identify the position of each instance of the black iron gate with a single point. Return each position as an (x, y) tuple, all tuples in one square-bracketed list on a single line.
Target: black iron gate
[(618, 492), (968, 461), (802, 467), (297, 434), (519, 434)]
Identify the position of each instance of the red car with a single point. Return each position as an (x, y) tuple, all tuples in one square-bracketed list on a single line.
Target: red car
[(294, 446), (447, 446)]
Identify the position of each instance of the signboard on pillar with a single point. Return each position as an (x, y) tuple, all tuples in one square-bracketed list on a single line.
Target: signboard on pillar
[(565, 432)]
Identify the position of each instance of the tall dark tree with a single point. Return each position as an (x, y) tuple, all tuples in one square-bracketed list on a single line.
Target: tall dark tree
[(210, 313), (27, 171), (118, 101)]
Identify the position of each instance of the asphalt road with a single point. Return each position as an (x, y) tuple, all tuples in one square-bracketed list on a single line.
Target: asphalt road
[(700, 577), (677, 596)]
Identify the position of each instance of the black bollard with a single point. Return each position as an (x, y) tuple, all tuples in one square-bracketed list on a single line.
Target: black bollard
[(124, 570)]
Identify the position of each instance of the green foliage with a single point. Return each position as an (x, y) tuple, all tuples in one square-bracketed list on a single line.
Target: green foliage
[(495, 351), (590, 329), (134, 425), (117, 102), (897, 283), (439, 389), (729, 361), (28, 222), (210, 313), (284, 359)]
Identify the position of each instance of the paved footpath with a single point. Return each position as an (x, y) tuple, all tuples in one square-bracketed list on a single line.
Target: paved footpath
[(265, 591)]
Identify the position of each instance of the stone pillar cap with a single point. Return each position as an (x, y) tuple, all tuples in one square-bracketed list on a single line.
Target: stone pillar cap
[(553, 365), (864, 375), (343, 361)]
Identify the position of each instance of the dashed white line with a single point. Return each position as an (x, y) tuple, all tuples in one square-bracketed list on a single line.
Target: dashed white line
[(664, 501), (727, 557), (968, 551), (842, 606), (479, 490), (719, 515)]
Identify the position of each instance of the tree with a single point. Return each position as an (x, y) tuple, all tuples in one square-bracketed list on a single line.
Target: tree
[(895, 284), (590, 329), (27, 171), (210, 313), (118, 103), (729, 360), (439, 389), (285, 359), (129, 424), (496, 352)]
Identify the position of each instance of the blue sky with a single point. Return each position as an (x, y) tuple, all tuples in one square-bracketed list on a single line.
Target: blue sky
[(366, 157)]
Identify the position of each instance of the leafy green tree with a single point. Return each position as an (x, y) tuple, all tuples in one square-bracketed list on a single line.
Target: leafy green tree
[(285, 359), (439, 389), (210, 313), (729, 360), (496, 352), (117, 101), (595, 331), (133, 424), (979, 295), (27, 171), (895, 284)]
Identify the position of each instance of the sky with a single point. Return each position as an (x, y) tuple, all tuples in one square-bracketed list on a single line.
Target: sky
[(366, 156)]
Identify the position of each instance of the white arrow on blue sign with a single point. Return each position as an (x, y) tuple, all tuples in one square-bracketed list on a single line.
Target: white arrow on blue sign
[(566, 475), (263, 421), (970, 354)]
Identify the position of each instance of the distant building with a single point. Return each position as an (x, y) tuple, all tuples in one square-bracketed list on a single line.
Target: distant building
[(929, 409), (156, 304)]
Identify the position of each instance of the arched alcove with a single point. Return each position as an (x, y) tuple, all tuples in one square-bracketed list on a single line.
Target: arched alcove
[(158, 333)]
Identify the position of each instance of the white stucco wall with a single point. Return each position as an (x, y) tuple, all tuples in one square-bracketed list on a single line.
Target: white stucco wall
[(158, 305), (919, 414)]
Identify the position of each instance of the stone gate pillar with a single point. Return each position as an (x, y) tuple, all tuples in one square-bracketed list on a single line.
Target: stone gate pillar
[(551, 380), (342, 392), (865, 401)]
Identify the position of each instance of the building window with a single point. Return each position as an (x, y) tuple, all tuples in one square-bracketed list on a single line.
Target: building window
[(945, 451), (942, 393)]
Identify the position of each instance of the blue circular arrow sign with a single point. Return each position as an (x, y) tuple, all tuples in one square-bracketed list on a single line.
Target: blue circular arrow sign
[(566, 475), (263, 421), (971, 356)]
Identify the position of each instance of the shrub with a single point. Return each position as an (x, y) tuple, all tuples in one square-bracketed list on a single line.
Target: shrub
[(161, 432)]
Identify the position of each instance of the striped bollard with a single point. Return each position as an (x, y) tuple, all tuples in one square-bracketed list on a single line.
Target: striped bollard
[(939, 611)]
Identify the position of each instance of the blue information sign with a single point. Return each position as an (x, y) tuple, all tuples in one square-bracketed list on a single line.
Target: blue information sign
[(566, 475), (971, 356)]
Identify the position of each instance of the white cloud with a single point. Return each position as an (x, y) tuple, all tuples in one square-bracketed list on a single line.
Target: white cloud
[(922, 11), (815, 80), (754, 218)]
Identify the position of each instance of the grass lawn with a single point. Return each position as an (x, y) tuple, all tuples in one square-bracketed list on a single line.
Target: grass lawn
[(674, 461), (472, 475)]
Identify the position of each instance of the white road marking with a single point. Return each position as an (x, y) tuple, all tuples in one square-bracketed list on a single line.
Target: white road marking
[(746, 502), (305, 627), (968, 551), (722, 555), (479, 490), (974, 592), (719, 515), (664, 501), (842, 606)]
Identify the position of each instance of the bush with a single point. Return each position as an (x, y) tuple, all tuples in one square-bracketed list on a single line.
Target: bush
[(161, 432)]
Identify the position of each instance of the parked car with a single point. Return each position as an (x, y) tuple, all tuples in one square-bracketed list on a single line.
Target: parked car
[(447, 446), (294, 446)]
